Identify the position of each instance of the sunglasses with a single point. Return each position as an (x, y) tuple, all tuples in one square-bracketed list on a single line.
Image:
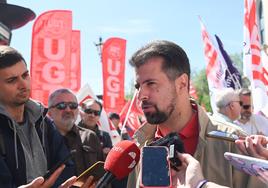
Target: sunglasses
[(246, 107), (64, 105), (91, 111)]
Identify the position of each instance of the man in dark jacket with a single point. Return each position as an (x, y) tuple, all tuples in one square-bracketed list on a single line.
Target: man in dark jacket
[(30, 144), (63, 109), (90, 115)]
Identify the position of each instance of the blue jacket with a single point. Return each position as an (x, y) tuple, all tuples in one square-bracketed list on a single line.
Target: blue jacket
[(12, 160)]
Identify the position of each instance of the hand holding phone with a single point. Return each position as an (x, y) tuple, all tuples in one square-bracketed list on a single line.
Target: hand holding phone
[(58, 164), (96, 170), (155, 167)]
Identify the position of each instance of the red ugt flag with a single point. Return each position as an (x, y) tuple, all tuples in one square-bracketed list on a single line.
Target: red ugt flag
[(113, 66), (51, 53)]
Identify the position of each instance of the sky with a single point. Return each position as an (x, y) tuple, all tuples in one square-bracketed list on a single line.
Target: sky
[(139, 22)]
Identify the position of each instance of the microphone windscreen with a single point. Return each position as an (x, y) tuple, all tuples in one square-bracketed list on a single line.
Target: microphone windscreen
[(122, 159)]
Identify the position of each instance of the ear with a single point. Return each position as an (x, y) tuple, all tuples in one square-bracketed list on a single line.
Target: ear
[(231, 105), (182, 82)]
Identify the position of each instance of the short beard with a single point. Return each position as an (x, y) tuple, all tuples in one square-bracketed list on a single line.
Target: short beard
[(158, 116), (20, 103), (68, 123), (245, 117)]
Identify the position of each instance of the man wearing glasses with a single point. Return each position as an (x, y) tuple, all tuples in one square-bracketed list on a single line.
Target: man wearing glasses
[(251, 123), (228, 104), (63, 109), (90, 115)]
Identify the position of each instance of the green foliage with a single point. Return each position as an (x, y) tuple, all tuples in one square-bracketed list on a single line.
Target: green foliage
[(200, 83)]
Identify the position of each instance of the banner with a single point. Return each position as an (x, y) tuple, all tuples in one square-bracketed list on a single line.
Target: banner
[(232, 76), (113, 66), (51, 53), (131, 115), (215, 69), (252, 65), (75, 74)]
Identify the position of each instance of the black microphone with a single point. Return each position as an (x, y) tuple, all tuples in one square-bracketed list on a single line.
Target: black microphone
[(174, 143)]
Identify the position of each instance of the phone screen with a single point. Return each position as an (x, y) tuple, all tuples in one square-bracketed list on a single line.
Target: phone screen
[(223, 135), (64, 160), (96, 170), (155, 169)]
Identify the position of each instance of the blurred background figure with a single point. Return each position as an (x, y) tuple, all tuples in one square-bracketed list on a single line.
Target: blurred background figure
[(249, 122), (115, 119), (228, 105), (90, 115), (63, 109)]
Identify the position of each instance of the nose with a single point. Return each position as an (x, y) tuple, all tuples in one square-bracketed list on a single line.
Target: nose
[(143, 94), (23, 83)]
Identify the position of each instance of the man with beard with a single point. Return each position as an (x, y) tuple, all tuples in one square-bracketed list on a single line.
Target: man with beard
[(63, 109), (162, 79), (29, 143), (249, 122)]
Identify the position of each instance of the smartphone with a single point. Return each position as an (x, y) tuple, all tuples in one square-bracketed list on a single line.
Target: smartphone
[(58, 164), (155, 167), (222, 135), (247, 164), (96, 170)]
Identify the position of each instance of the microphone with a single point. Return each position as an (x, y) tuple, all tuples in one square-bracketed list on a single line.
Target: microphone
[(120, 161)]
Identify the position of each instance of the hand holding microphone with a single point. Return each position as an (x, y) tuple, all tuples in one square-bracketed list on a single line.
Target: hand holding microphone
[(120, 161)]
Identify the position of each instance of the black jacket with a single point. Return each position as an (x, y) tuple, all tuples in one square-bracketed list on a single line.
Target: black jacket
[(52, 142)]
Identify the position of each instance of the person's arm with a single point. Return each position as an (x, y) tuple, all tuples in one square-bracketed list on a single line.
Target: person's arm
[(190, 174), (40, 182), (255, 146)]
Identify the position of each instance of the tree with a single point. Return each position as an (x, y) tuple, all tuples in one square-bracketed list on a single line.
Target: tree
[(201, 85)]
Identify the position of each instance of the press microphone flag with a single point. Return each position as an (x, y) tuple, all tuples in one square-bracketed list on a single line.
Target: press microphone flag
[(120, 161)]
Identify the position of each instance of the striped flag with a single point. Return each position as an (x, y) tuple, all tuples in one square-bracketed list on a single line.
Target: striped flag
[(252, 65), (215, 69)]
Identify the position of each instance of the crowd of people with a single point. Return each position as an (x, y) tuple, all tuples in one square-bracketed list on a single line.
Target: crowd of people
[(34, 138)]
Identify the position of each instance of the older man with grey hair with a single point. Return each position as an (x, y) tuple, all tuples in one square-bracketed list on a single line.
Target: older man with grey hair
[(63, 109), (228, 104)]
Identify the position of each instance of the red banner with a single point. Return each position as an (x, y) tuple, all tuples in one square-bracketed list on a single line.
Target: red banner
[(75, 62), (51, 53), (131, 114), (113, 66)]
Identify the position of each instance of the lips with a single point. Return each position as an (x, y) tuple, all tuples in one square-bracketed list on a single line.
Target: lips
[(147, 108)]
